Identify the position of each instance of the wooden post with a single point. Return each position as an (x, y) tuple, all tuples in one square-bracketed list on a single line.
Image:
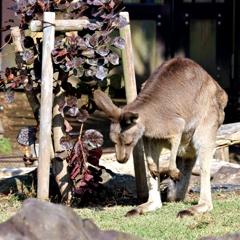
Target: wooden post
[(131, 93), (16, 38), (46, 106)]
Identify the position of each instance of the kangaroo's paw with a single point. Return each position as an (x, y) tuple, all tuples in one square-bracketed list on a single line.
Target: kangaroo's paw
[(154, 174), (153, 170), (185, 213), (133, 212), (174, 174)]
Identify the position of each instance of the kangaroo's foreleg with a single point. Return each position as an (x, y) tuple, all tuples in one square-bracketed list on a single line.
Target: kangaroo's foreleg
[(173, 171), (153, 148), (152, 152)]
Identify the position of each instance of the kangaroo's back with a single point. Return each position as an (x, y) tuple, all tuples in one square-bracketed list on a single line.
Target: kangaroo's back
[(179, 87)]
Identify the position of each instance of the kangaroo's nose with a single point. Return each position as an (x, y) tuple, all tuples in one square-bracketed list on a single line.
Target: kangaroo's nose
[(123, 160)]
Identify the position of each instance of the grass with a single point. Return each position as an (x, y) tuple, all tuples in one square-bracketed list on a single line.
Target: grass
[(5, 146), (161, 224)]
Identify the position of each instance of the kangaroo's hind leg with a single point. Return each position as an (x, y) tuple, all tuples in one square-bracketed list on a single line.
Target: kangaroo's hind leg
[(204, 144), (205, 200)]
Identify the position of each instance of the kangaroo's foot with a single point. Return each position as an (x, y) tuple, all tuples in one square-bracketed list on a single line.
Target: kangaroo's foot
[(145, 207), (199, 208), (174, 174)]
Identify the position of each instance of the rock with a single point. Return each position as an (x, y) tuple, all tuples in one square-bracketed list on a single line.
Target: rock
[(218, 187), (215, 166), (227, 175), (233, 236), (41, 220), (226, 179)]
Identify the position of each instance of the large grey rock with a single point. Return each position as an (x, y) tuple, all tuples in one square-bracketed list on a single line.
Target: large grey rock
[(41, 220), (226, 179), (227, 175), (233, 236)]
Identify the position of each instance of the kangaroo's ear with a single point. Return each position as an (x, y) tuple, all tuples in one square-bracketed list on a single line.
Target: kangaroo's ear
[(128, 119), (105, 104)]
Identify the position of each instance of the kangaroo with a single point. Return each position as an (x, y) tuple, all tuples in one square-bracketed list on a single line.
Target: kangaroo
[(180, 107)]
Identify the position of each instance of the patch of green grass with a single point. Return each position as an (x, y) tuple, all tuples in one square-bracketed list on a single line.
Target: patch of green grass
[(9, 205), (163, 224), (5, 146)]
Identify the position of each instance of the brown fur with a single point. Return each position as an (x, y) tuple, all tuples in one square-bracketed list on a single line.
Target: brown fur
[(179, 107)]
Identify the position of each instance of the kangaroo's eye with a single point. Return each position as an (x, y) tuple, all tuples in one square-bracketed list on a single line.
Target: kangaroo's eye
[(128, 144)]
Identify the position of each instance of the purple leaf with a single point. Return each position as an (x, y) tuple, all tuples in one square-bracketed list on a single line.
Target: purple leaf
[(62, 105), (88, 177), (94, 26), (74, 157), (93, 160), (27, 55), (67, 125), (73, 111), (77, 62), (118, 42), (96, 152), (94, 2), (75, 5), (92, 62), (88, 53), (101, 72), (83, 115), (79, 191), (120, 21), (67, 143), (93, 138), (113, 58), (90, 72), (83, 184), (75, 171), (72, 101), (103, 51), (27, 136)]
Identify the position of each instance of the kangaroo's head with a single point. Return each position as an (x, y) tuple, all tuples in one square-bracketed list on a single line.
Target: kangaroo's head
[(125, 129)]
